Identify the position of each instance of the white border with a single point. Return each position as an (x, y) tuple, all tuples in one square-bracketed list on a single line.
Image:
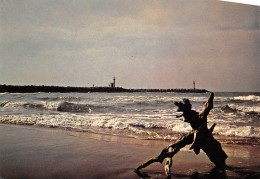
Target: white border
[(250, 2)]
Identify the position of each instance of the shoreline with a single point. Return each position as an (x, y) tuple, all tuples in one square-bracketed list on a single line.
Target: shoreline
[(225, 140), (35, 152)]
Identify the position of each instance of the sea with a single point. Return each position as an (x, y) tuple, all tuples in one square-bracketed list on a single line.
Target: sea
[(145, 116)]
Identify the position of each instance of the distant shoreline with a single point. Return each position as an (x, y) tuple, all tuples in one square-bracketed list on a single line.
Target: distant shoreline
[(60, 89)]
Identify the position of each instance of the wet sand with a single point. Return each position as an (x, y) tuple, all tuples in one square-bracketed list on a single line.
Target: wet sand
[(35, 152)]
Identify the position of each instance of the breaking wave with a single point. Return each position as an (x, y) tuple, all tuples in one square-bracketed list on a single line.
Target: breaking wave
[(231, 108), (40, 106), (61, 106), (140, 115), (228, 109), (248, 98), (85, 108), (159, 129), (238, 131), (67, 98)]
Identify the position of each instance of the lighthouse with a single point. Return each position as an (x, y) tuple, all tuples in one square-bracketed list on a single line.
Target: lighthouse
[(194, 85), (114, 82)]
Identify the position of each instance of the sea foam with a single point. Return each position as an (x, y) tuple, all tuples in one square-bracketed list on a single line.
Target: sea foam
[(141, 115), (248, 98)]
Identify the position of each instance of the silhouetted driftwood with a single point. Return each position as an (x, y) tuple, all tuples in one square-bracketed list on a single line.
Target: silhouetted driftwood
[(200, 137)]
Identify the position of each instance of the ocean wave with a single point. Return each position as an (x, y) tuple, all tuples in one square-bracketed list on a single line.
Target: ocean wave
[(150, 100), (159, 129), (248, 98), (64, 98), (66, 106), (20, 104), (228, 109), (57, 106), (238, 131), (3, 103), (146, 116), (88, 108), (72, 107), (232, 108), (41, 105)]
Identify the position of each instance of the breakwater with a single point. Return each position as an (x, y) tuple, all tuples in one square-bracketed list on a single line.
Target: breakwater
[(177, 90), (69, 89)]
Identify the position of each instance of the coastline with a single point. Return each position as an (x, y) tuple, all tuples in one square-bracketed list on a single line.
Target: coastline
[(35, 152), (69, 89)]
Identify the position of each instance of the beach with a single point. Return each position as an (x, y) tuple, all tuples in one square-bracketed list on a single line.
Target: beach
[(100, 89), (34, 152)]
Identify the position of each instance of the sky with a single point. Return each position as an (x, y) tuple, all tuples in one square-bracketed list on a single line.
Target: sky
[(143, 43)]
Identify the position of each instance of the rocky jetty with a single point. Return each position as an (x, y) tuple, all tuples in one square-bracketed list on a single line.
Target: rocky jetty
[(69, 89)]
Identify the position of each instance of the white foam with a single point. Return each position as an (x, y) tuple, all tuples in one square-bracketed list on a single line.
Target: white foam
[(82, 122), (181, 127), (240, 131), (249, 108), (248, 98), (10, 104), (50, 105), (41, 104), (243, 108)]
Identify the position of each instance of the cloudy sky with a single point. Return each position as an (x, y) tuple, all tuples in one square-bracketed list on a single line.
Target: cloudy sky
[(144, 43)]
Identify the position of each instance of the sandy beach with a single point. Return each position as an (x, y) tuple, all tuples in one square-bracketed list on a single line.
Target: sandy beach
[(33, 152)]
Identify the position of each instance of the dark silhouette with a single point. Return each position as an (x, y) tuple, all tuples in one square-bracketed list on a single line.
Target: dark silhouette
[(200, 137), (69, 89)]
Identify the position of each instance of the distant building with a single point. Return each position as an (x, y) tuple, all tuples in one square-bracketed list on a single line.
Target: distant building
[(194, 85), (113, 84)]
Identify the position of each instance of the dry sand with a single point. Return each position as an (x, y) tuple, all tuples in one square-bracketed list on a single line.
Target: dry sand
[(34, 152)]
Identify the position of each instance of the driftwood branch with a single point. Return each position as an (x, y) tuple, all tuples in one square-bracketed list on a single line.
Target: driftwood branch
[(200, 138)]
